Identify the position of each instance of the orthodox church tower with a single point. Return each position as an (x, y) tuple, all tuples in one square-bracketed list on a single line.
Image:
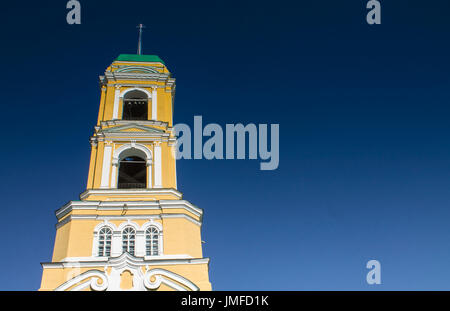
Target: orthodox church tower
[(131, 229)]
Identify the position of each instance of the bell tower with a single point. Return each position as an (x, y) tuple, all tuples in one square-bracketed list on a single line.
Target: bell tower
[(131, 228)]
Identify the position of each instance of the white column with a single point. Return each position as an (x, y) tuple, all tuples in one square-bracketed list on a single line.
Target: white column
[(140, 244), (115, 164), (149, 173), (95, 245), (158, 170), (106, 166), (161, 243), (154, 104), (116, 102), (175, 164), (116, 244)]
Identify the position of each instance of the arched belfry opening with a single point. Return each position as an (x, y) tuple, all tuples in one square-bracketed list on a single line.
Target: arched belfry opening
[(132, 170), (135, 106)]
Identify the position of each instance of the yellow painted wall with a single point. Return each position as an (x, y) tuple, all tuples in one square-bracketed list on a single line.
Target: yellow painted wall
[(75, 239)]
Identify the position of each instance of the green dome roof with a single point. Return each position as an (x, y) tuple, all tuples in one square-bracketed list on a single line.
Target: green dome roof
[(139, 58)]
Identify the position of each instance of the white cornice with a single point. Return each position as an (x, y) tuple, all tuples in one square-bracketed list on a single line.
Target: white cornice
[(150, 84), (138, 122), (132, 193), (126, 139), (159, 77), (137, 69), (112, 262), (132, 125), (126, 217), (130, 206), (133, 134), (117, 129), (105, 259), (181, 204), (115, 63)]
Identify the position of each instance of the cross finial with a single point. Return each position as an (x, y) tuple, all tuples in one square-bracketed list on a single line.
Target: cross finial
[(139, 49)]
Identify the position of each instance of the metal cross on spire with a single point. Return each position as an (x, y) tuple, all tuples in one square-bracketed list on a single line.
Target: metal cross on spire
[(139, 49)]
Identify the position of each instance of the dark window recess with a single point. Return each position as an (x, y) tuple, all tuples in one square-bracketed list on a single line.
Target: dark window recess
[(135, 109), (132, 173)]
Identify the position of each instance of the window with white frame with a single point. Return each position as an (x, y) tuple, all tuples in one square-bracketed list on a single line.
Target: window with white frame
[(104, 242), (128, 240), (152, 241)]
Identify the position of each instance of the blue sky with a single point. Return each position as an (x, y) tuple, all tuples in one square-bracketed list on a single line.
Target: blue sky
[(364, 134)]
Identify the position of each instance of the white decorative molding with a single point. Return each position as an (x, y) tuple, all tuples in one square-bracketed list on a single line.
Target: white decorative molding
[(111, 281), (88, 278), (149, 95), (134, 145), (128, 223), (105, 223), (145, 69), (152, 223), (162, 276)]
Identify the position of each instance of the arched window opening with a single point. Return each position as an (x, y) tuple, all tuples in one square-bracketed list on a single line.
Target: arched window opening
[(128, 240), (104, 242), (135, 106), (152, 242), (132, 173)]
